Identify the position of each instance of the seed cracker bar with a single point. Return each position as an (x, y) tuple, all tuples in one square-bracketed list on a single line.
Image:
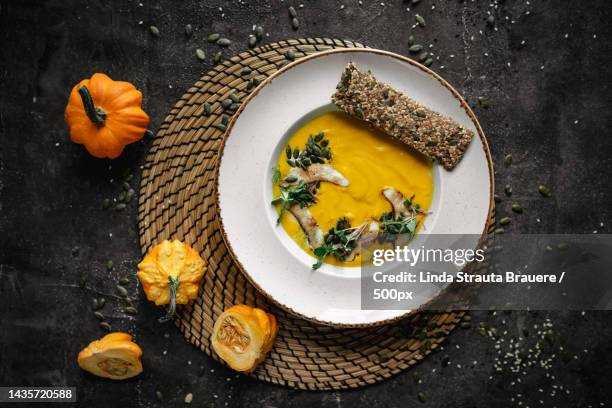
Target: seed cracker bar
[(436, 136)]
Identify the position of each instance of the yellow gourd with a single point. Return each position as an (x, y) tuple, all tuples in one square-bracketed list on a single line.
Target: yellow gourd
[(114, 356), (170, 274), (243, 335)]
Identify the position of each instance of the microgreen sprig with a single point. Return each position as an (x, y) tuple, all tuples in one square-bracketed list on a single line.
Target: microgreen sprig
[(340, 242), (301, 193)]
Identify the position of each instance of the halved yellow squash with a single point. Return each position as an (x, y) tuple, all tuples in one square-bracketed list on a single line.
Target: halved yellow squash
[(243, 335), (114, 356)]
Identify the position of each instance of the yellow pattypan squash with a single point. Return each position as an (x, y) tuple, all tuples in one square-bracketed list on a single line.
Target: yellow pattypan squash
[(114, 356), (170, 274), (243, 335), (105, 115)]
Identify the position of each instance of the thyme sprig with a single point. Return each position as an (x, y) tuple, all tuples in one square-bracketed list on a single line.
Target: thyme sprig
[(301, 193), (340, 242)]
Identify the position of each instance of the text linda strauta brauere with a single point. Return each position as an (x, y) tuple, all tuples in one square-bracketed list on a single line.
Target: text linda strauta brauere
[(414, 257)]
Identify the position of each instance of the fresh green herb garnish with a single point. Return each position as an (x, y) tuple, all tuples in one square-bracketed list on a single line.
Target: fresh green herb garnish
[(340, 242), (402, 222), (301, 193), (276, 175)]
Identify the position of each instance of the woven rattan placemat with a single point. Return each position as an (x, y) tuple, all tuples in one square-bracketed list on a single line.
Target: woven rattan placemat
[(177, 202)]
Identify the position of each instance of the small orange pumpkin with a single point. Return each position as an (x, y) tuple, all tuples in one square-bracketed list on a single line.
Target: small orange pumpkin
[(105, 115)]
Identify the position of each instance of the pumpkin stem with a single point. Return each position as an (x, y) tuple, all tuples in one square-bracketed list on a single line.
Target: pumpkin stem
[(173, 283), (96, 115)]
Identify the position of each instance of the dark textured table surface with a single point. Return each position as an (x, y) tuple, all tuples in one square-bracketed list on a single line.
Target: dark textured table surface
[(543, 76)]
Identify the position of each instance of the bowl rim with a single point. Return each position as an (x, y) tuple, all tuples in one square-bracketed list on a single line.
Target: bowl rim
[(288, 67)]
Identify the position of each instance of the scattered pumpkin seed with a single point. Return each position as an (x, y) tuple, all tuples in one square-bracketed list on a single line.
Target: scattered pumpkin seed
[(95, 304), (508, 190), (200, 54), (428, 62), (252, 41), (224, 42), (415, 48), (415, 2), (508, 160), (499, 231), (221, 127), (288, 152), (295, 23), (106, 203), (420, 20), (101, 303), (225, 119), (121, 196), (106, 326), (99, 315), (497, 198), (290, 179), (120, 207), (129, 195), (154, 30), (109, 264), (235, 98), (292, 12), (517, 208), (466, 325), (491, 20), (188, 398), (505, 221), (124, 281), (259, 32), (207, 108), (131, 310), (149, 133), (122, 291), (422, 397), (545, 191), (281, 64), (212, 38), (410, 39), (484, 102), (188, 30), (217, 57), (226, 103), (234, 106), (159, 395), (422, 57), (290, 55), (246, 71)]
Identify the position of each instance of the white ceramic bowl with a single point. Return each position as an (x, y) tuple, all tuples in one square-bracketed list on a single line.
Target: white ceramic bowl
[(270, 259)]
